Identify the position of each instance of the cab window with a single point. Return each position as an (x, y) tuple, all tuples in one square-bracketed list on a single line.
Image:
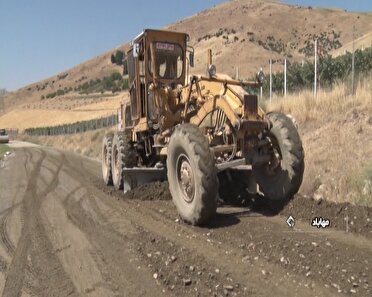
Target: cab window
[(168, 60)]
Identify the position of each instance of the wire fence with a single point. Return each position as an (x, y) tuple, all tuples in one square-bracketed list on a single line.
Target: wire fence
[(74, 128)]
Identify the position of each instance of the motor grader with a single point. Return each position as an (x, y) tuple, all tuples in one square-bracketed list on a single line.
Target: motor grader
[(197, 131)]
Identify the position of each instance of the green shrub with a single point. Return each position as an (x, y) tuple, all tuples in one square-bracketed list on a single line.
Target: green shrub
[(60, 92), (115, 76)]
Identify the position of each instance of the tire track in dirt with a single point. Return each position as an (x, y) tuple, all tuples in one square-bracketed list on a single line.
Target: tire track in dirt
[(110, 249), (153, 223), (112, 252), (227, 258), (7, 212), (262, 238), (34, 264), (94, 252), (49, 277), (10, 209), (11, 203), (140, 250), (4, 237), (4, 234), (333, 259), (194, 248), (16, 272), (317, 259), (5, 240)]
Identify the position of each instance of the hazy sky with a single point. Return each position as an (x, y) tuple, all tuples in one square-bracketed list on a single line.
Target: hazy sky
[(40, 38)]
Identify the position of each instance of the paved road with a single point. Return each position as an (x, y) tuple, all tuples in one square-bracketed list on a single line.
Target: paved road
[(63, 234)]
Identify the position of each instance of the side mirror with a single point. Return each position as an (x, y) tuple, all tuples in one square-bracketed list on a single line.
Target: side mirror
[(260, 76), (191, 59), (125, 67)]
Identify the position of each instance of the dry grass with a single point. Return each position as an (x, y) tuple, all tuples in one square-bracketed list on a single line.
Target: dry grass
[(87, 143), (363, 41), (336, 131), (304, 107), (31, 118), (362, 185)]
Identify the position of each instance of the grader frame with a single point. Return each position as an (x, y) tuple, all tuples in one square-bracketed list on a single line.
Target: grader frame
[(226, 130)]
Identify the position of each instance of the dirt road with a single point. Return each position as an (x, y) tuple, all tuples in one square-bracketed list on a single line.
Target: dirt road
[(63, 234)]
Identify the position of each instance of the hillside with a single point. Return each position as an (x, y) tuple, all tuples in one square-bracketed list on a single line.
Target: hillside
[(242, 33), (334, 169), (359, 43)]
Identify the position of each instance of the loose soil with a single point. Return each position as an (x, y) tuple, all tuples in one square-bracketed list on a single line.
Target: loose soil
[(64, 234)]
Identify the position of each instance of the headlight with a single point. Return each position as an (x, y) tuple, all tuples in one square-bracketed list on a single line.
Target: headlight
[(260, 76), (211, 70)]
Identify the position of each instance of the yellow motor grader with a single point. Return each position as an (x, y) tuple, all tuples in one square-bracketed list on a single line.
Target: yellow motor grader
[(195, 130)]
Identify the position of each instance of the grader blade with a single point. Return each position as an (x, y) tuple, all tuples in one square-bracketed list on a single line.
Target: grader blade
[(137, 176)]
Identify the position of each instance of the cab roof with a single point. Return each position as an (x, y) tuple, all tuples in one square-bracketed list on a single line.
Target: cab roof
[(165, 33)]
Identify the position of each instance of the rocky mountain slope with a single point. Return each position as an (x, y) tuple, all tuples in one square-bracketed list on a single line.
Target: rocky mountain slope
[(241, 33)]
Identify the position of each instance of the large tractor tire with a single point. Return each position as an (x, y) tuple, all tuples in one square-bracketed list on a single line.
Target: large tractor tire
[(106, 159), (282, 177), (192, 175), (123, 155)]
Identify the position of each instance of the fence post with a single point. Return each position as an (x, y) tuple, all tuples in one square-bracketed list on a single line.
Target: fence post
[(285, 77), (315, 66), (353, 65), (271, 80)]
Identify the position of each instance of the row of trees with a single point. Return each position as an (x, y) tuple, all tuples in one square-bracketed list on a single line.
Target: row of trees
[(113, 83), (59, 92), (330, 71)]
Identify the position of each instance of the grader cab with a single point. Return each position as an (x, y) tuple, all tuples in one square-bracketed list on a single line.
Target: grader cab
[(197, 131)]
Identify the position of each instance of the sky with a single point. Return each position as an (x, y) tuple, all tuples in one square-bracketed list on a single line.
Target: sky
[(40, 38)]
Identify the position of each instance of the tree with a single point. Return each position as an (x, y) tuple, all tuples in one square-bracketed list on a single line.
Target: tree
[(119, 56)]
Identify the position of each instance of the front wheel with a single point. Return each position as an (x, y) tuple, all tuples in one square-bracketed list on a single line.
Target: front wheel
[(281, 178), (192, 175)]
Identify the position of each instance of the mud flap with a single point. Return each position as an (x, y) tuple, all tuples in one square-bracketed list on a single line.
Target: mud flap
[(137, 176)]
